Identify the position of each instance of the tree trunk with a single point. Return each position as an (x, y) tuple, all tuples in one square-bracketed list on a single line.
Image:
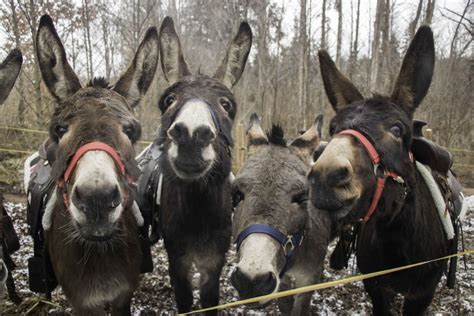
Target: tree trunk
[(277, 72), (323, 26), (36, 70), (413, 24), (339, 33), (302, 63), (355, 46), (375, 60), (20, 83), (105, 38), (429, 12)]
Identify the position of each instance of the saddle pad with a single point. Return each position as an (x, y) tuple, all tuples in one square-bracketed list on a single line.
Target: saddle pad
[(438, 199)]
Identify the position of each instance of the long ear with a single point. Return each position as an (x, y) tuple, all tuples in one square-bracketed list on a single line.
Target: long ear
[(339, 89), (172, 61), (233, 65), (415, 75), (9, 70), (136, 81), (307, 143), (58, 75), (255, 135)]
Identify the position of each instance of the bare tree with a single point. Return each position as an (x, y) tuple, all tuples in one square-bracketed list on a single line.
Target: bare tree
[(339, 32)]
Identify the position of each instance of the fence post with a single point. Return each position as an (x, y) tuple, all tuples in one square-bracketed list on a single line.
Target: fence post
[(429, 133)]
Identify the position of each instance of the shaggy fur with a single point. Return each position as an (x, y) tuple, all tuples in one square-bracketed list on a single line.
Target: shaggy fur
[(273, 190), (94, 274)]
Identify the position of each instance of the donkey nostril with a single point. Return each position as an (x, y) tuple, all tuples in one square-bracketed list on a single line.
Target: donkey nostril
[(340, 177), (204, 135), (177, 131), (313, 177), (114, 197), (270, 277)]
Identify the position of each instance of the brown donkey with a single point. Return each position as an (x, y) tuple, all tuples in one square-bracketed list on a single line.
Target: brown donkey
[(401, 226), (91, 222)]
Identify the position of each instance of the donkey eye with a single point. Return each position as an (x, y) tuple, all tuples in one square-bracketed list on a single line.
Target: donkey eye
[(300, 198), (169, 99), (237, 197), (225, 103), (60, 130), (396, 130), (129, 131)]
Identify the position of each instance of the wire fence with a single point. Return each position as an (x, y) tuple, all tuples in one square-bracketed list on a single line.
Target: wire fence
[(18, 143)]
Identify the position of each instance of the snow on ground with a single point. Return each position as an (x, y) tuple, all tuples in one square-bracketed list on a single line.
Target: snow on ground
[(155, 293)]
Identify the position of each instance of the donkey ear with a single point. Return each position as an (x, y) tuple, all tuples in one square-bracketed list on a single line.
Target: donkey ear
[(9, 70), (136, 81), (307, 143), (339, 89), (172, 61), (255, 135), (417, 70), (233, 65), (58, 75)]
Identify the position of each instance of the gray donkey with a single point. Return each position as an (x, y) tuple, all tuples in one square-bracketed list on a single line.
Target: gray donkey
[(280, 236)]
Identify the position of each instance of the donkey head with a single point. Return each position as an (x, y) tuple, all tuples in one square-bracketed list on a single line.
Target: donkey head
[(9, 70), (343, 178), (98, 190), (270, 189), (198, 110)]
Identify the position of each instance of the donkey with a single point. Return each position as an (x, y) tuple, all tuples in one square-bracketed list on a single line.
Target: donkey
[(279, 235), (195, 211), (9, 70), (91, 221), (400, 223)]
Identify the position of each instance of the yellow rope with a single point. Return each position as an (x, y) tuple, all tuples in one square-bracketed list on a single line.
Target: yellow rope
[(325, 285)]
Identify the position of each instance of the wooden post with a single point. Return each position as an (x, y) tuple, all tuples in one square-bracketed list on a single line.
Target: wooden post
[(429, 133)]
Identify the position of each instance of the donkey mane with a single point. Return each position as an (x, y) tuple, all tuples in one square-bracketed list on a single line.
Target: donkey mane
[(276, 136), (99, 82)]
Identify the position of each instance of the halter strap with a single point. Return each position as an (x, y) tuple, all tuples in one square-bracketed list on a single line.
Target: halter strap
[(288, 242), (90, 147), (81, 151), (376, 162)]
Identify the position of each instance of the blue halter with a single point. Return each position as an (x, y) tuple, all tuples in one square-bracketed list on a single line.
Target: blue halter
[(287, 242)]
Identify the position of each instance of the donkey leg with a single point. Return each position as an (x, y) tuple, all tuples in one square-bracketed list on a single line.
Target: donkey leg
[(89, 312), (285, 304), (121, 306), (210, 269), (179, 269), (417, 306), (381, 299)]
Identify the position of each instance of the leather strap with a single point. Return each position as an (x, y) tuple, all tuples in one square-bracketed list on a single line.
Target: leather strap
[(95, 145), (288, 242), (376, 162)]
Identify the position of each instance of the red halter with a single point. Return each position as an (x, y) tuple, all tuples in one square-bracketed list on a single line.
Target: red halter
[(376, 161), (79, 153)]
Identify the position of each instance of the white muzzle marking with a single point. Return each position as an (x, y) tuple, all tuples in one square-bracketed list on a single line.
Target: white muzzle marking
[(96, 170), (258, 255)]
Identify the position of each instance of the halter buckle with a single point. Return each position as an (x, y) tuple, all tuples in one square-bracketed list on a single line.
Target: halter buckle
[(399, 180), (289, 243)]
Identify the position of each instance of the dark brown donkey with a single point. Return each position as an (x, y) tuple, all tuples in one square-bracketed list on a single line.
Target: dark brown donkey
[(281, 238), (9, 70), (198, 112), (405, 226), (92, 232)]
